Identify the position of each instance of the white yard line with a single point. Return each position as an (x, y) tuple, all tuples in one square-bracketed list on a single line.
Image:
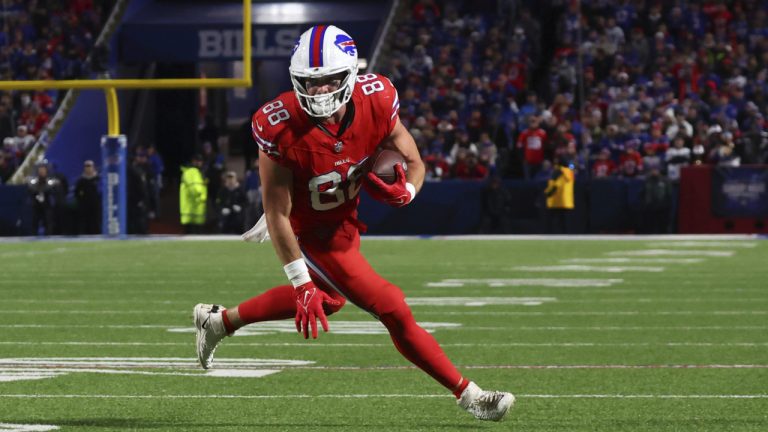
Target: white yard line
[(379, 396), (537, 282), (586, 268), (698, 244), (673, 252), (634, 260)]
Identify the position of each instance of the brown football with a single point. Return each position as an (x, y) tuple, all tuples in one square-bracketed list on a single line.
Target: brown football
[(383, 165)]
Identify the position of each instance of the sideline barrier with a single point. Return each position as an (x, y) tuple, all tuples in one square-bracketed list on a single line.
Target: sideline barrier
[(612, 206)]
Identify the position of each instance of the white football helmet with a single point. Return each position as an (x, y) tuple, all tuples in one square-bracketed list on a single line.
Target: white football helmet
[(320, 52)]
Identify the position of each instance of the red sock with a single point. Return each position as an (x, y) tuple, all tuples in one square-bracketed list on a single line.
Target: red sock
[(277, 303), (227, 325), (460, 389)]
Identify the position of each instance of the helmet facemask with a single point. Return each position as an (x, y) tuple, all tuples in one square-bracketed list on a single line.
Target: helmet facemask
[(323, 105)]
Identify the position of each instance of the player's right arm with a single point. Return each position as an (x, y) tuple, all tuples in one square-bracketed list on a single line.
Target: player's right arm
[(277, 184), (277, 196)]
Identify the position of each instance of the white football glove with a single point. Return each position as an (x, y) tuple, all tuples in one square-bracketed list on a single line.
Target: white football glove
[(258, 233)]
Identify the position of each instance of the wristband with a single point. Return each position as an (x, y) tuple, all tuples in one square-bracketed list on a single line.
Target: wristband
[(411, 189), (297, 272)]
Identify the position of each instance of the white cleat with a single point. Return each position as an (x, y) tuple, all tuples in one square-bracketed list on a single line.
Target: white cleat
[(485, 405), (210, 331)]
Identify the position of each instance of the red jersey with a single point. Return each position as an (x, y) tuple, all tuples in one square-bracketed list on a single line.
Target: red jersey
[(533, 140), (327, 170)]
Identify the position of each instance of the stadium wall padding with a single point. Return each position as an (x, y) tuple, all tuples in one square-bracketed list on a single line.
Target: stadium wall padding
[(696, 214), (79, 138), (15, 210)]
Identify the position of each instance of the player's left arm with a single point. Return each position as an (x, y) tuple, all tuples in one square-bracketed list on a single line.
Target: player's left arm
[(402, 141)]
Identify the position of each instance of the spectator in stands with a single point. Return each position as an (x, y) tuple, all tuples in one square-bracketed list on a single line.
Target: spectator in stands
[(652, 161), (630, 163), (193, 196), (157, 168), (230, 205), (532, 142), (487, 151), (252, 185), (209, 133), (23, 141), (657, 200), (139, 178), (677, 157), (43, 190), (88, 199), (436, 166), (462, 145), (6, 121), (6, 168), (212, 169), (467, 167), (604, 166), (496, 202), (63, 207)]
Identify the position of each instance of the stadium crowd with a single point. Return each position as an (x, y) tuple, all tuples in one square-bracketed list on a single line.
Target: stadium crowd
[(665, 84), (40, 40)]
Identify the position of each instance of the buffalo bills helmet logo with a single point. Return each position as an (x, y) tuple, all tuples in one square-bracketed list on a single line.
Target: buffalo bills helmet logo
[(296, 46), (346, 44)]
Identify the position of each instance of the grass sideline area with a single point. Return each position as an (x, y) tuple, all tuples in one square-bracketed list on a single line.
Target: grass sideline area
[(590, 335)]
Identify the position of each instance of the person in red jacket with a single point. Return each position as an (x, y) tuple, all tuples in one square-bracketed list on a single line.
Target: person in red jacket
[(532, 141)]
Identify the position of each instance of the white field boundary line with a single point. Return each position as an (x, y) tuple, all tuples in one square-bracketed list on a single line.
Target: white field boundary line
[(380, 396), (389, 345)]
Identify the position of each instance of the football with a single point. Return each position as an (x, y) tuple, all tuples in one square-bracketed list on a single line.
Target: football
[(383, 165)]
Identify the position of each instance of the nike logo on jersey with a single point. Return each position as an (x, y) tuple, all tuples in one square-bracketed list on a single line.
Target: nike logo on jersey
[(259, 127)]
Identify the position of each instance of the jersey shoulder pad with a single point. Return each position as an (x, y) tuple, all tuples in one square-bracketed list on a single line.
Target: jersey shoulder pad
[(382, 93), (270, 122)]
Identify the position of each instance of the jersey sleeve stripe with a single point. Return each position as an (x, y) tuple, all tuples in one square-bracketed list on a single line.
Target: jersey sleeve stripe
[(395, 106), (266, 146)]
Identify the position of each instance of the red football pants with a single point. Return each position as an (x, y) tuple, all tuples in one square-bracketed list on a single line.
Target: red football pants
[(338, 268)]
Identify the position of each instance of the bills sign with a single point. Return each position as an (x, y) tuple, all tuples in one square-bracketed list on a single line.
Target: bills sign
[(740, 192), (113, 185)]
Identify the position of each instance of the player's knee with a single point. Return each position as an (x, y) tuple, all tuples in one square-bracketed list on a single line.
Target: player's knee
[(397, 317), (332, 309)]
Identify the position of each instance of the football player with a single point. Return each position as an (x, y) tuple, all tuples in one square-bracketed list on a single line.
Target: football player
[(315, 141)]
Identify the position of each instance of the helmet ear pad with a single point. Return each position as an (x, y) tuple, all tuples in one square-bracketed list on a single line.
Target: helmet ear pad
[(320, 52)]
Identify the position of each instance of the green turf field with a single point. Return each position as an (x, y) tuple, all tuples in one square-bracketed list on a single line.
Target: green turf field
[(98, 336)]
